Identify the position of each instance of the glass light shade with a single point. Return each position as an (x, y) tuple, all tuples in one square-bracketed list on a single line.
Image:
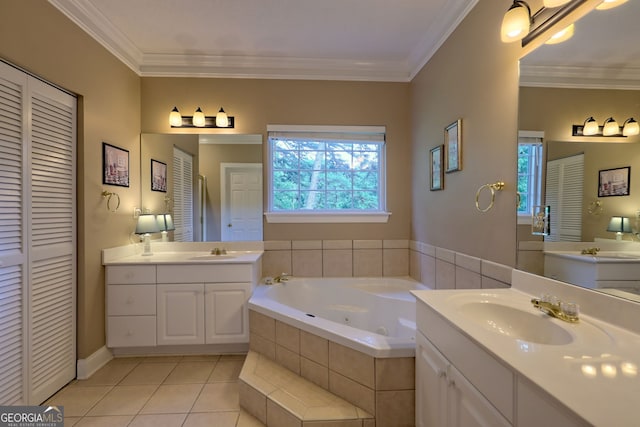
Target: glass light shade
[(516, 23), (630, 127), (222, 121), (590, 127), (610, 127), (554, 3), (147, 224), (619, 225), (165, 222), (562, 36), (198, 118), (610, 4), (175, 119)]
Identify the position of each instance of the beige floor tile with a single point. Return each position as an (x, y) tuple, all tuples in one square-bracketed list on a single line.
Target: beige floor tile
[(190, 373), (239, 356), (210, 419), (77, 401), (109, 421), (162, 359), (226, 370), (246, 420), (172, 399), (201, 358), (158, 420), (110, 374), (218, 397), (149, 373), (71, 421), (123, 400)]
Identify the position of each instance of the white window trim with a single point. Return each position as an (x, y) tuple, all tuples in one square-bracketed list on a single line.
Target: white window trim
[(522, 218), (332, 217)]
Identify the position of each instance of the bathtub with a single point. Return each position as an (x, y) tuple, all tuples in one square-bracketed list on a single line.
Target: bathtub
[(375, 316)]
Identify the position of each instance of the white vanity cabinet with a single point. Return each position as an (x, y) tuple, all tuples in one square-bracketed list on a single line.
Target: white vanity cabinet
[(444, 397), (180, 314)]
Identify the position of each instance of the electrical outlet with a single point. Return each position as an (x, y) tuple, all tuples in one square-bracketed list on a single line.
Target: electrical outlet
[(136, 213), (638, 214)]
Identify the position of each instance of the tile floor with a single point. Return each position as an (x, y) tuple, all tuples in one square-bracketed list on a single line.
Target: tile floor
[(187, 391)]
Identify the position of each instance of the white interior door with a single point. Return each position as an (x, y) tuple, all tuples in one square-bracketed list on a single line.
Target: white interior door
[(241, 201)]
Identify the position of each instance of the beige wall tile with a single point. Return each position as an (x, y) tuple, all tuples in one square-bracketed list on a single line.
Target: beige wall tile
[(288, 359), (367, 262), (262, 325), (352, 364), (277, 245), (414, 265), (395, 408), (445, 275), (497, 271), (468, 262), (288, 336), (369, 422), (367, 244), (466, 279), (276, 262), (489, 283), (337, 244), (337, 263), (446, 255), (246, 420), (314, 348), (252, 401), (314, 372), (352, 392), (395, 244), (428, 270), (307, 263), (276, 416), (346, 423), (396, 373), (262, 346), (395, 262), (306, 244)]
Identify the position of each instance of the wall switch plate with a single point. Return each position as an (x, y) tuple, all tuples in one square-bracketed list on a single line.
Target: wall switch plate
[(638, 214), (136, 213)]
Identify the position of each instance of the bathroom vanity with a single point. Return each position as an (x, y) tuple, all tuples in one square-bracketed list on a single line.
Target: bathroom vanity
[(184, 299), (489, 358)]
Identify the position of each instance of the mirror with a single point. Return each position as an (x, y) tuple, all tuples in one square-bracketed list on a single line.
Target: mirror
[(593, 74), (239, 155)]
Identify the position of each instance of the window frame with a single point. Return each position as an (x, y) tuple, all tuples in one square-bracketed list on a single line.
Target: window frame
[(328, 216), (532, 138)]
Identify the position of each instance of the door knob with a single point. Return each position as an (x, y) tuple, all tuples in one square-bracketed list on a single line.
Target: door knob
[(229, 225)]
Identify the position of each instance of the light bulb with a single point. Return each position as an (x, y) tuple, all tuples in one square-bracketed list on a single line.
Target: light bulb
[(198, 118), (222, 121), (630, 127), (610, 127), (562, 36), (610, 4), (590, 127), (516, 22), (175, 119)]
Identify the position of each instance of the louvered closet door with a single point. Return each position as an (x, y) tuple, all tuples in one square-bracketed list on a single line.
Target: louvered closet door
[(13, 246), (564, 188), (182, 196), (53, 240)]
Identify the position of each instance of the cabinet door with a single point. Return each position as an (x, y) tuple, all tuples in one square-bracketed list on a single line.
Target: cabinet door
[(467, 407), (431, 384), (226, 313), (180, 314)]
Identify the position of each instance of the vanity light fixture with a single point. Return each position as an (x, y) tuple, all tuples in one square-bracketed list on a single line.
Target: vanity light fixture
[(610, 4), (562, 36), (630, 127), (200, 120), (516, 22), (610, 128), (554, 3), (590, 127), (165, 224), (619, 225), (147, 224)]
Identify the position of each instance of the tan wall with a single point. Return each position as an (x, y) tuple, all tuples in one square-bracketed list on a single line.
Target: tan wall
[(256, 103), (474, 76), (35, 36), (554, 111)]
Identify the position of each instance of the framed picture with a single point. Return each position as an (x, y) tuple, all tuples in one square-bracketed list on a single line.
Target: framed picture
[(115, 165), (453, 146), (158, 176), (437, 174), (614, 182)]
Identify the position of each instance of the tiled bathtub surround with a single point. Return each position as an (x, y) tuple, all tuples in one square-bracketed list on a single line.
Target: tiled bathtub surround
[(382, 387)]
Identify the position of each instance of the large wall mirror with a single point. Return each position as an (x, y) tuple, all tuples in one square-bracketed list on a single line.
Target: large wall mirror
[(226, 183), (595, 73)]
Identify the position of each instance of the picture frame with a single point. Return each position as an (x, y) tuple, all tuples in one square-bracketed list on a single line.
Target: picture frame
[(115, 165), (436, 179), (158, 176), (453, 146), (614, 182)]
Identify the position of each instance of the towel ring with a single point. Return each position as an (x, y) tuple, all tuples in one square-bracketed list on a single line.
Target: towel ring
[(496, 186), (108, 195)]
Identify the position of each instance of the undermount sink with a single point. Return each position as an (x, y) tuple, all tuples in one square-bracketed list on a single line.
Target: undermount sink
[(515, 323), (210, 257)]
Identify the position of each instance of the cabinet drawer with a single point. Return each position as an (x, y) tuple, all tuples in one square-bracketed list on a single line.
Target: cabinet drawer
[(123, 275), (131, 331), (123, 300), (205, 273)]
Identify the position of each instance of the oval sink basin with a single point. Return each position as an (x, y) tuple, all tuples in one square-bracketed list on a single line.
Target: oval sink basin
[(212, 257), (517, 324)]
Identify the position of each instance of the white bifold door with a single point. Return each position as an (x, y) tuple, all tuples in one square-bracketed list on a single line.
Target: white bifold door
[(37, 238)]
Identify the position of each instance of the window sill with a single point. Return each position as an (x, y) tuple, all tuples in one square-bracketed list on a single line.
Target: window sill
[(328, 218)]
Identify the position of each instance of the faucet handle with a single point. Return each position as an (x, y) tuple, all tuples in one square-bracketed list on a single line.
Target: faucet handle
[(570, 308)]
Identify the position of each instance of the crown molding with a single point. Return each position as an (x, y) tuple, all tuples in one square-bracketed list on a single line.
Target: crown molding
[(587, 77)]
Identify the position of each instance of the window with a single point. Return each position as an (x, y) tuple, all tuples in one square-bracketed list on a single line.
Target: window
[(529, 174), (326, 174)]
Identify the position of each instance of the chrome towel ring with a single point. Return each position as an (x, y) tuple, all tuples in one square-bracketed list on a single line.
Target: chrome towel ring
[(496, 186), (108, 195)]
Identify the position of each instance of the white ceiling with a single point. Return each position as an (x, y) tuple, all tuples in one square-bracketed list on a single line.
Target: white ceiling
[(374, 40)]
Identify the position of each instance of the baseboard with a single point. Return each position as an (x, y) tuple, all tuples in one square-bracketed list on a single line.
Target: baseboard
[(87, 367)]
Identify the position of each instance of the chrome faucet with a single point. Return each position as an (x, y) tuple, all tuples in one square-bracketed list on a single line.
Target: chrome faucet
[(590, 251), (566, 311), (281, 278)]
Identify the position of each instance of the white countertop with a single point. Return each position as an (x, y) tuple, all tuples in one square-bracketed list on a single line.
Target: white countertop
[(624, 257), (232, 257), (595, 375)]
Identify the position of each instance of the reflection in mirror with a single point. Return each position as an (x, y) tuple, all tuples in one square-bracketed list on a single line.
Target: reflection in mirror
[(562, 85), (226, 184)]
